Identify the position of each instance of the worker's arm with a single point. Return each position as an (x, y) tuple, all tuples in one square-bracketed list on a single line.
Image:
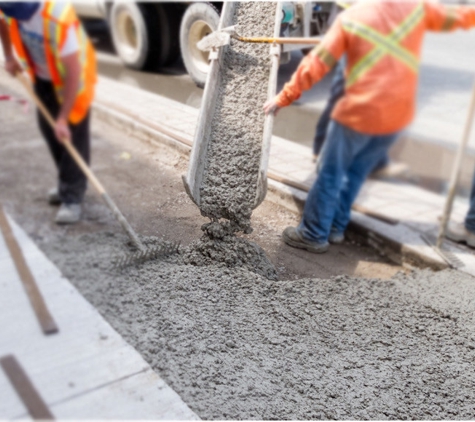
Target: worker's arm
[(72, 68), (448, 18), (313, 67), (11, 63)]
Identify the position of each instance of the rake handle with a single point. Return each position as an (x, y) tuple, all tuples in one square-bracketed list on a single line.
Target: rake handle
[(68, 145), (456, 170), (83, 166), (291, 40)]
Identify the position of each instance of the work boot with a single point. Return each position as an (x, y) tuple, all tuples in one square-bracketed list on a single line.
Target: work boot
[(336, 238), (293, 238), (458, 233), (68, 214), (53, 197)]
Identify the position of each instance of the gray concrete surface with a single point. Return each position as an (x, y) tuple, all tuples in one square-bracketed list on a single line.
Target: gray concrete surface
[(237, 346)]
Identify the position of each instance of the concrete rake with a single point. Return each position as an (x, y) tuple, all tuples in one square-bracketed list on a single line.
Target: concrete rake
[(143, 253), (223, 37), (437, 243)]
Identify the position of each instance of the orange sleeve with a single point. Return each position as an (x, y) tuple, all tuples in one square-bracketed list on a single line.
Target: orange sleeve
[(448, 18), (315, 65)]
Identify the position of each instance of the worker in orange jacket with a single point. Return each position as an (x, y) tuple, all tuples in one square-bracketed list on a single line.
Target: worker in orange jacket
[(51, 45), (382, 41)]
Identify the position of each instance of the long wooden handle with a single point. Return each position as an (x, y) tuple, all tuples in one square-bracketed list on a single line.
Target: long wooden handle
[(84, 167), (290, 40), (456, 170), (67, 144)]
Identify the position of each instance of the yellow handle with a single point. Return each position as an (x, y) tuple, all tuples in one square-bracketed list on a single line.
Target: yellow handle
[(66, 142), (290, 40)]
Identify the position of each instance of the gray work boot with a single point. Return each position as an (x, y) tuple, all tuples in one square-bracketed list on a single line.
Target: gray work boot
[(53, 197), (292, 237), (458, 233), (68, 214), (336, 238)]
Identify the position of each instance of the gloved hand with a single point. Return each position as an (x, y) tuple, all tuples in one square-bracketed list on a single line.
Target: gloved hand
[(12, 66), (271, 107), (61, 130)]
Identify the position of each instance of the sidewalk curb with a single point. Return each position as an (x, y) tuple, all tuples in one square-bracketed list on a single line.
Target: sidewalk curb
[(365, 228)]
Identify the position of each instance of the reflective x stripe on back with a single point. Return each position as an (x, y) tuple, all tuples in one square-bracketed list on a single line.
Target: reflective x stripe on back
[(384, 45)]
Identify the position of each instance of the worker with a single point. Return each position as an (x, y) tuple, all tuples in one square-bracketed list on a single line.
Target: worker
[(385, 168), (51, 45), (382, 42), (464, 232)]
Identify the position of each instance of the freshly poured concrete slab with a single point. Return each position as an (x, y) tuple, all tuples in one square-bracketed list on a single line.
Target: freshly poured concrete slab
[(87, 370)]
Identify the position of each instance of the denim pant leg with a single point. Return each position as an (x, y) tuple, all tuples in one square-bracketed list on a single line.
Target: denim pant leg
[(337, 91), (470, 218), (323, 198), (365, 160)]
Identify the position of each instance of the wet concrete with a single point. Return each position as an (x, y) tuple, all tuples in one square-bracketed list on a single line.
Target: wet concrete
[(231, 169), (237, 346)]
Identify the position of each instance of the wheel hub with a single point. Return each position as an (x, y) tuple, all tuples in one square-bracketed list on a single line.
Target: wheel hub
[(198, 30)]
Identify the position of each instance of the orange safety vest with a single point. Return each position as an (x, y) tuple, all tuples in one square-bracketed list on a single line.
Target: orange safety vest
[(58, 18), (382, 41)]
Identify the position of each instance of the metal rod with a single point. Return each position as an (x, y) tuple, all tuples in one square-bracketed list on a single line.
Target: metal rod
[(456, 171)]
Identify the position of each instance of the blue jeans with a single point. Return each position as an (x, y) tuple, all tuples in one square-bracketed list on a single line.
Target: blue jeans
[(470, 218), (337, 90), (347, 158)]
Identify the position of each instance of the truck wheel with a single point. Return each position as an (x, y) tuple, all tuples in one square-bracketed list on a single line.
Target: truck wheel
[(199, 20), (140, 34)]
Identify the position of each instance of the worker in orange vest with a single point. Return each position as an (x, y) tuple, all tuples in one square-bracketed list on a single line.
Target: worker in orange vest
[(51, 45), (382, 41)]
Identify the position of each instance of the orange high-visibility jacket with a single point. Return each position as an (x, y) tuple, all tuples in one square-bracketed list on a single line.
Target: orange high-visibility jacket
[(58, 18), (382, 41)]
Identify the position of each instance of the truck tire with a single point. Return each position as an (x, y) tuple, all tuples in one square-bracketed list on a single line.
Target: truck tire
[(143, 34), (199, 20)]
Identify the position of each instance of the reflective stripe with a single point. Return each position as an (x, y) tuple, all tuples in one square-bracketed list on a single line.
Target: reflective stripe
[(324, 55), (370, 59), (82, 57), (56, 36), (450, 19)]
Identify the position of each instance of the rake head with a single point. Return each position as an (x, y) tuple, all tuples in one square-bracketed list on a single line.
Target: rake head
[(217, 38), (147, 254)]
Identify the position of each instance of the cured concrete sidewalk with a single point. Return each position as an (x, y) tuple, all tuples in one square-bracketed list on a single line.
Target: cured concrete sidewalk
[(86, 370)]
